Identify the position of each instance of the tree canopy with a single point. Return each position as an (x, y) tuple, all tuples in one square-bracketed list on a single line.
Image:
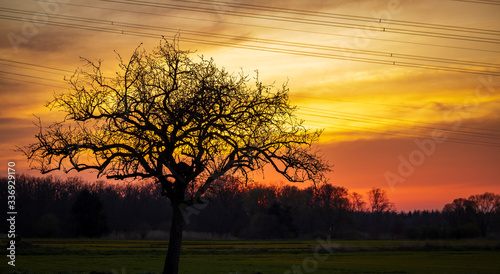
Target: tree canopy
[(167, 117)]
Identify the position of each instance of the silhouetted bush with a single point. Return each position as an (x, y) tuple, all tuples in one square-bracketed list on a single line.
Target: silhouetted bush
[(425, 233), (47, 226), (89, 215), (466, 231)]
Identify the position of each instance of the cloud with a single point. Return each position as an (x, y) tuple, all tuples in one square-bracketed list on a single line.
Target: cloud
[(15, 130), (359, 88)]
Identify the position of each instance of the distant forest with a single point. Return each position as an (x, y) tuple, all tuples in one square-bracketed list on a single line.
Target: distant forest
[(53, 207)]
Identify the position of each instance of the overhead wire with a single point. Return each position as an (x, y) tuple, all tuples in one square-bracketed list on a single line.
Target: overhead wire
[(383, 104), (283, 28), (479, 2), (388, 29), (34, 65), (352, 117), (407, 123), (27, 75), (344, 16), (352, 130), (398, 133), (52, 69), (400, 127), (30, 82), (349, 50), (394, 58), (31, 68)]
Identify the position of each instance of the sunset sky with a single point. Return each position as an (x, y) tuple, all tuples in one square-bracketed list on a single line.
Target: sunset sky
[(408, 92)]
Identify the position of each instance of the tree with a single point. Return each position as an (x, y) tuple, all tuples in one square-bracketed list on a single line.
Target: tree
[(478, 210), (379, 203), (461, 211), (334, 204), (180, 122), (357, 203), (358, 207), (259, 198), (227, 189), (89, 214), (486, 205)]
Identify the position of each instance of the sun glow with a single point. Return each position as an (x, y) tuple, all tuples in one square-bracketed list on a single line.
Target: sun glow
[(376, 76)]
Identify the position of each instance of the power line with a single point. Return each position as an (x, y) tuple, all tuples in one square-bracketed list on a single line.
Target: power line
[(405, 125), (34, 65), (393, 58), (415, 124), (381, 104), (193, 36), (347, 17), (30, 82), (26, 65), (282, 28), (400, 133), (312, 22), (479, 2), (26, 75), (394, 134), (341, 57)]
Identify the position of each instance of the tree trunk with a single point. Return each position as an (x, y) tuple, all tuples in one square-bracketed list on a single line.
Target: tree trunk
[(174, 243)]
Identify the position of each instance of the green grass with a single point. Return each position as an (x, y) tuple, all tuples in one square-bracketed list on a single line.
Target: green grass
[(130, 256)]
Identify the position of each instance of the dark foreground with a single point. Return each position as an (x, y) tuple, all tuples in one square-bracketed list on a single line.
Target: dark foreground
[(289, 256)]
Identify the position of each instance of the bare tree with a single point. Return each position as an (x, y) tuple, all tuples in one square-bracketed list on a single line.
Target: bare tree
[(357, 203), (227, 189), (487, 203), (180, 122), (485, 206), (334, 204), (461, 211), (379, 203), (358, 207)]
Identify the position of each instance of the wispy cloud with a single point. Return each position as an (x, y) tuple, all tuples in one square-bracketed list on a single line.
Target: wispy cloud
[(361, 104)]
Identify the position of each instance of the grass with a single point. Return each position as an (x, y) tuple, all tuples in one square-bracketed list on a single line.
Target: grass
[(134, 256)]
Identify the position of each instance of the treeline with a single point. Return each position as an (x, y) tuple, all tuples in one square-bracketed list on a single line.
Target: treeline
[(52, 207)]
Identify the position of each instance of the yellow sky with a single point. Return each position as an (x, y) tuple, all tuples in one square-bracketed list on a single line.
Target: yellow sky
[(376, 75)]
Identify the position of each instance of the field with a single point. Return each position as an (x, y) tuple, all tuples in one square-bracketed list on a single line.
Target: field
[(294, 256)]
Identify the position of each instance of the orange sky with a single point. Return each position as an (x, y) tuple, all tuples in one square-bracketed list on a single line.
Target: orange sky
[(381, 77)]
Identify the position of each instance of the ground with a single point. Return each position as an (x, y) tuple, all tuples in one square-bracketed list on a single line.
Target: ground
[(272, 256)]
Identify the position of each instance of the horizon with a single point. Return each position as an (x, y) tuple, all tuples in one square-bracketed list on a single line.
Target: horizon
[(90, 179), (407, 92)]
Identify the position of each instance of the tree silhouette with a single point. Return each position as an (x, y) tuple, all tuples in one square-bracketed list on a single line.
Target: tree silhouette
[(357, 203), (462, 211), (379, 203), (334, 204), (88, 211), (486, 205), (477, 210), (180, 122)]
